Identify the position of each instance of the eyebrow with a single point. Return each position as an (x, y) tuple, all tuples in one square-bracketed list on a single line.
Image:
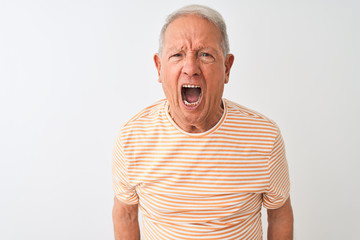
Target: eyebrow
[(175, 49)]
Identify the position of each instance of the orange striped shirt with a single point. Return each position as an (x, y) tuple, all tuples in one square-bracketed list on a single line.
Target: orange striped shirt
[(207, 185)]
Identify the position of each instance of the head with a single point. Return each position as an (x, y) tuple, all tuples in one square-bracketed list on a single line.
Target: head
[(207, 13), (193, 65)]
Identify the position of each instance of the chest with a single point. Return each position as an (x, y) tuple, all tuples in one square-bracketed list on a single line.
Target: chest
[(193, 167)]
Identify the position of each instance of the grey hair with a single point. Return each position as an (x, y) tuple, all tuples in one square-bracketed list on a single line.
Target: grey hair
[(205, 12)]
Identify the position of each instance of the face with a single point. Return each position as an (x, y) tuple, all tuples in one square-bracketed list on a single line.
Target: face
[(193, 70)]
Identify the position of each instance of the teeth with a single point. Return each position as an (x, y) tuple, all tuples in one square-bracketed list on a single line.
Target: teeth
[(191, 86)]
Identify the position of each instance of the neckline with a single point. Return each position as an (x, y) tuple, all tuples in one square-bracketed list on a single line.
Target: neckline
[(211, 130)]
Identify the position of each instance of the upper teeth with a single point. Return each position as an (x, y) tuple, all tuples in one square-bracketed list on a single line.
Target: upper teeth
[(191, 86)]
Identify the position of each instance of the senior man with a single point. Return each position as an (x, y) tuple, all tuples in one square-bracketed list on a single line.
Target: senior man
[(197, 165)]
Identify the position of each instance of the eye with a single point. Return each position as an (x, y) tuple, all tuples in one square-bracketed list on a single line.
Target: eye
[(204, 54), (206, 57), (175, 57)]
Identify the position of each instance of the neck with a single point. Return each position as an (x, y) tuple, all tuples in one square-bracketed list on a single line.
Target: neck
[(199, 126)]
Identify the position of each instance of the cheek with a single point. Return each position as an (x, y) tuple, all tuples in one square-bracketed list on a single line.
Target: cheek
[(171, 78), (169, 89), (215, 85), (169, 86)]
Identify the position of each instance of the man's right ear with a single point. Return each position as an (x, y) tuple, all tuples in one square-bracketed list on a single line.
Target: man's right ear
[(157, 62)]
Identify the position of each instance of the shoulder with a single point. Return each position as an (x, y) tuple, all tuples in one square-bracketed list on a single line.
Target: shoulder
[(239, 113), (147, 116)]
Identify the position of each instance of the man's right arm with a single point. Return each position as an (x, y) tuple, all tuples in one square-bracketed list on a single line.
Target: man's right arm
[(125, 219)]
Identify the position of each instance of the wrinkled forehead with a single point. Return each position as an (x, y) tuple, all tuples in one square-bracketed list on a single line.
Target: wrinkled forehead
[(192, 28)]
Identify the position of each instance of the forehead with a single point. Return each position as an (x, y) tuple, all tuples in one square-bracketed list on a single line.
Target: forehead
[(192, 30)]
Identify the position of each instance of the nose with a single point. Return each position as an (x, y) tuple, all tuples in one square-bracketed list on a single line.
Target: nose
[(191, 66)]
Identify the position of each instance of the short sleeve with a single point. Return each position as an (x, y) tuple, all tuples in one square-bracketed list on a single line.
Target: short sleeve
[(123, 190), (279, 183)]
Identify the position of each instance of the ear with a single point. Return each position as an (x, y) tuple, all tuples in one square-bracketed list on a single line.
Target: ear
[(157, 62), (229, 60)]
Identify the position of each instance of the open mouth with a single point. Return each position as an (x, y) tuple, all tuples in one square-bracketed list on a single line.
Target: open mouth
[(191, 95)]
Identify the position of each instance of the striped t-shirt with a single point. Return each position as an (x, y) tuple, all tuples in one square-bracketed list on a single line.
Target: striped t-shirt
[(208, 185)]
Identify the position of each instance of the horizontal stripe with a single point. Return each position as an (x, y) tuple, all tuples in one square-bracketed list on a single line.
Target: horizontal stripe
[(201, 186)]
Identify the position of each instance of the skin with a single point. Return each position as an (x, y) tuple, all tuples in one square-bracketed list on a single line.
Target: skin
[(192, 54), (125, 219), (280, 222)]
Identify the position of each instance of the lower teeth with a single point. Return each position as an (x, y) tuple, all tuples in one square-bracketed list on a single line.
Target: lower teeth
[(192, 104)]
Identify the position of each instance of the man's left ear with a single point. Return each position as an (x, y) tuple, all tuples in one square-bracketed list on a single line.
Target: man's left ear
[(229, 60)]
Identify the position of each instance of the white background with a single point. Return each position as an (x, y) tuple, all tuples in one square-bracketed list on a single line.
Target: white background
[(71, 72)]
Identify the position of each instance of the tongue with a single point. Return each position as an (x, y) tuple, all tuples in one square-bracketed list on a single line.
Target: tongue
[(192, 94)]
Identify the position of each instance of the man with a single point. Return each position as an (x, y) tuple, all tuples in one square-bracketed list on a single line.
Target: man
[(199, 166)]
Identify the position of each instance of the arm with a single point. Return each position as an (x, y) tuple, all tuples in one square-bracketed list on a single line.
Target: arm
[(280, 222), (125, 219)]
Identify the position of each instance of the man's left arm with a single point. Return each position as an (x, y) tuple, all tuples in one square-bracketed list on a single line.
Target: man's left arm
[(280, 222)]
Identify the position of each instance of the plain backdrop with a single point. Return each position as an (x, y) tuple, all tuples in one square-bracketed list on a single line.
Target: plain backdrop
[(72, 71)]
